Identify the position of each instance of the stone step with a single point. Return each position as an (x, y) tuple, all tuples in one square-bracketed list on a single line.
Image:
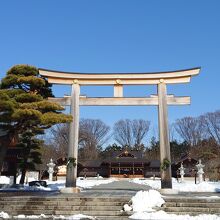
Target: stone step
[(42, 199), (191, 213), (64, 208), (182, 204), (92, 213), (72, 203), (104, 208), (66, 213), (191, 209), (192, 200), (97, 218)]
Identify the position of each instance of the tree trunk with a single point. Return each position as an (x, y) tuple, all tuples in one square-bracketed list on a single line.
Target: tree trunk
[(3, 151), (23, 172)]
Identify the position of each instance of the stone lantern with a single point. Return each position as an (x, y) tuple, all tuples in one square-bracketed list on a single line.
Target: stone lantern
[(51, 166), (200, 171), (182, 172)]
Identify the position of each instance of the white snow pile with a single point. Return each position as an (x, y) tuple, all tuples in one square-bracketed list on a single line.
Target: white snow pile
[(4, 215), (186, 186), (145, 201), (4, 180), (161, 215)]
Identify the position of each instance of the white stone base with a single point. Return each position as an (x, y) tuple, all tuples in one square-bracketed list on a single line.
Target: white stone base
[(70, 190), (61, 177), (169, 191)]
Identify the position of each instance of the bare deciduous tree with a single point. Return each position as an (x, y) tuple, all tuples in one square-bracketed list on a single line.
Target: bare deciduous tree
[(139, 131), (92, 135), (211, 123), (123, 132), (190, 130), (131, 133), (59, 139)]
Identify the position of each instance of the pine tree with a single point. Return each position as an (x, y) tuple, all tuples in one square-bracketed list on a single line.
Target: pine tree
[(26, 112)]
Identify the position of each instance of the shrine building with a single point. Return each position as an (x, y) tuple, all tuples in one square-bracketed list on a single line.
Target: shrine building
[(122, 164)]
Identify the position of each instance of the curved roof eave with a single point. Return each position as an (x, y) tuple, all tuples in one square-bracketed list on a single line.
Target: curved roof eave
[(59, 76)]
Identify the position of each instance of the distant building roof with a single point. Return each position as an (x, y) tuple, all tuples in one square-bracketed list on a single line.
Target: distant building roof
[(127, 153), (186, 157), (154, 163), (124, 160), (91, 163)]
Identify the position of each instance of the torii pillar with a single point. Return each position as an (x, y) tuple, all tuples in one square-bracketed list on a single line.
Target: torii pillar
[(73, 137), (166, 175)]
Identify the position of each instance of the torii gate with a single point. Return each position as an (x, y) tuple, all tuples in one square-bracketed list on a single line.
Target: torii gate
[(162, 99)]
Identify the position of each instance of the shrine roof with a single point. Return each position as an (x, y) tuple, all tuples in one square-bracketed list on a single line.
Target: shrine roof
[(154, 163), (91, 163), (126, 160)]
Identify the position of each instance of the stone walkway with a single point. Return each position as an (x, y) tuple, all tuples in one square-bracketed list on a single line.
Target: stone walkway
[(115, 189), (122, 185)]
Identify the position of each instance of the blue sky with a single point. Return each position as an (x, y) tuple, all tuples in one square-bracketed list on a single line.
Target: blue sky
[(118, 36)]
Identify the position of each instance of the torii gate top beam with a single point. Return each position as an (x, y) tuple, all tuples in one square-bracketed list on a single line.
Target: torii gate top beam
[(171, 77)]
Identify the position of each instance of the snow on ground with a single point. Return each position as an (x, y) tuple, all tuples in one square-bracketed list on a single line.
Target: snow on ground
[(186, 186), (81, 182), (57, 185), (161, 215), (4, 180), (4, 215), (79, 216)]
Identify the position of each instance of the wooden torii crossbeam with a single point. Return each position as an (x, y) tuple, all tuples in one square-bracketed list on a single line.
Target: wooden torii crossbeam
[(162, 99), (122, 101)]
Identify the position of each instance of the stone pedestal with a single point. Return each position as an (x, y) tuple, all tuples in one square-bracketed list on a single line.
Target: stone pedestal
[(169, 191), (70, 190)]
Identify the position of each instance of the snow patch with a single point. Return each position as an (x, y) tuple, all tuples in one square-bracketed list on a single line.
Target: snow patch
[(161, 215), (127, 208), (57, 185), (79, 216), (4, 180), (42, 216), (4, 215), (30, 216), (186, 186)]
